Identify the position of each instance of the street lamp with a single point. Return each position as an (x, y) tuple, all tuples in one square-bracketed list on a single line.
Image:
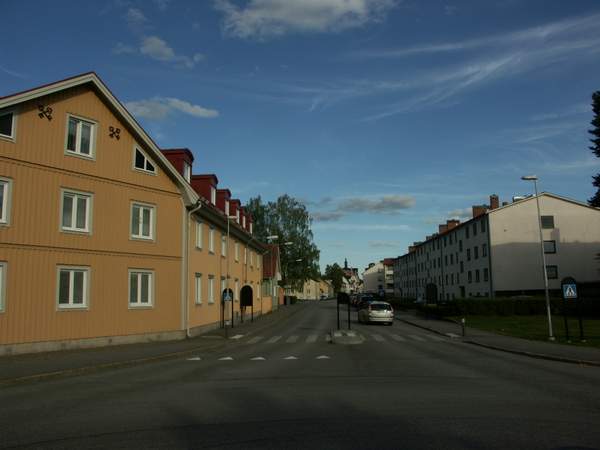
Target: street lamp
[(534, 178)]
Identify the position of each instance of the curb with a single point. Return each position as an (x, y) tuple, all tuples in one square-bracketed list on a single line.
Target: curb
[(581, 362), (112, 365)]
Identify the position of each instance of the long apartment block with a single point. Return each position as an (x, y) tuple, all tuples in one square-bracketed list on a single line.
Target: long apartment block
[(498, 251), (106, 238)]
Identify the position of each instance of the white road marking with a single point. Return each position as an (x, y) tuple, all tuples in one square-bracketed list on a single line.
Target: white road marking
[(452, 335), (351, 333), (378, 337), (312, 339), (254, 340), (195, 358), (292, 339), (257, 358), (290, 357), (323, 357), (226, 358), (436, 338), (398, 338), (273, 339), (237, 336), (416, 338)]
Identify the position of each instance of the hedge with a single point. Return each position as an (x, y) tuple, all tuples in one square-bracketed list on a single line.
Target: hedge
[(508, 307)]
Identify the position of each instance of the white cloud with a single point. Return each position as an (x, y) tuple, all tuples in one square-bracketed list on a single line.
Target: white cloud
[(328, 216), (384, 244), (135, 18), (267, 18), (123, 49), (156, 48), (461, 213), (162, 4), (385, 204), (158, 108)]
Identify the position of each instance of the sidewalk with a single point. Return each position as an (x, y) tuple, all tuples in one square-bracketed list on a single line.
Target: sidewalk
[(536, 349), (38, 366)]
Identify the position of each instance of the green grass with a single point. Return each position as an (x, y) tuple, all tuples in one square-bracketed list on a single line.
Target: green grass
[(536, 328)]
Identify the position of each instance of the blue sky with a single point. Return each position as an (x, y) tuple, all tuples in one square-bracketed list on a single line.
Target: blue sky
[(386, 117)]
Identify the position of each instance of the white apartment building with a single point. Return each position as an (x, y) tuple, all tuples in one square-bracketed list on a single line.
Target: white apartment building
[(373, 278), (497, 252)]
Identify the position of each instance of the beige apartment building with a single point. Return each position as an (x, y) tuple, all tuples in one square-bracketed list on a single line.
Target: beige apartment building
[(106, 239), (498, 252)]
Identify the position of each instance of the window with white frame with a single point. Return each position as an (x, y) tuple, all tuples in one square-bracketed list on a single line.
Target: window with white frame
[(80, 137), (7, 124), (211, 289), (141, 287), (223, 245), (213, 195), (237, 251), (251, 231), (251, 258), (187, 171), (237, 216), (258, 258), (245, 255), (199, 231), (211, 240), (227, 208), (142, 221), (243, 221), (73, 287), (198, 286), (5, 193), (141, 161), (2, 285), (76, 211)]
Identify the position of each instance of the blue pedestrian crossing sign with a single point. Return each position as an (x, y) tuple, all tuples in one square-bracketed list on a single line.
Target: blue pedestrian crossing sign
[(569, 291)]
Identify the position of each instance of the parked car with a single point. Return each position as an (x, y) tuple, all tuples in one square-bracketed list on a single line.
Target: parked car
[(376, 311)]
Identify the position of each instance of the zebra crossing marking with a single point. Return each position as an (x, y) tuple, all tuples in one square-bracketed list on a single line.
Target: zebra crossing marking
[(323, 357), (378, 337), (312, 339), (416, 338), (398, 338), (290, 357), (273, 339), (254, 340), (226, 358), (195, 358), (257, 358), (437, 338), (292, 339)]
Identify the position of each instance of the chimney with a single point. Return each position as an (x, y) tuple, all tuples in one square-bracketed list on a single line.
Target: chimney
[(479, 210), (206, 186), (182, 159), (453, 223), (442, 228), (494, 201)]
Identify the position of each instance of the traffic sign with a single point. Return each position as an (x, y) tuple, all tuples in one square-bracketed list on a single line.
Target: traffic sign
[(569, 291)]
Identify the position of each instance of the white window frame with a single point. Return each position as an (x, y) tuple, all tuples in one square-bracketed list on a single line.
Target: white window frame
[(199, 235), (13, 131), (246, 255), (152, 225), (211, 289), (6, 184), (138, 303), (227, 208), (251, 228), (251, 258), (213, 195), (244, 222), (224, 245), (237, 251), (187, 171), (3, 278), (198, 288), (86, 287), (77, 152), (237, 216), (211, 239), (88, 213), (258, 261), (138, 169)]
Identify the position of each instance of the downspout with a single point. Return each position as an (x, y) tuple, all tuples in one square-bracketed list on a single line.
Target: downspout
[(491, 279), (185, 276)]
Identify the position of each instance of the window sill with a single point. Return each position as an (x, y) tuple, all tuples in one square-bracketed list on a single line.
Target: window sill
[(141, 239), (12, 139), (80, 232), (73, 308), (90, 157), (141, 306)]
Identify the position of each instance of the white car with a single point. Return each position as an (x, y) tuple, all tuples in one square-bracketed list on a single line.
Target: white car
[(381, 312)]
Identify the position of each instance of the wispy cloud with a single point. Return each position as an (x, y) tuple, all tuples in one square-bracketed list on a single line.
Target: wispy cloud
[(262, 19), (360, 227), (13, 73), (384, 244), (158, 108), (579, 108), (156, 48), (341, 207), (461, 213), (328, 216)]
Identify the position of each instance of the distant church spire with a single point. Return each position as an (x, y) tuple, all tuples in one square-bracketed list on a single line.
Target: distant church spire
[(345, 263)]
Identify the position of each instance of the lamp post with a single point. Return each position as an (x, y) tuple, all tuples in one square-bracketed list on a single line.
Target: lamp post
[(534, 178)]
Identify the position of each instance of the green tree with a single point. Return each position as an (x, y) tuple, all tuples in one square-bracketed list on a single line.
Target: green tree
[(595, 132), (334, 273), (288, 219)]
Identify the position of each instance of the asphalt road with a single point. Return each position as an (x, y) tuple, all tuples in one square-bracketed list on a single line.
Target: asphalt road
[(288, 387)]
